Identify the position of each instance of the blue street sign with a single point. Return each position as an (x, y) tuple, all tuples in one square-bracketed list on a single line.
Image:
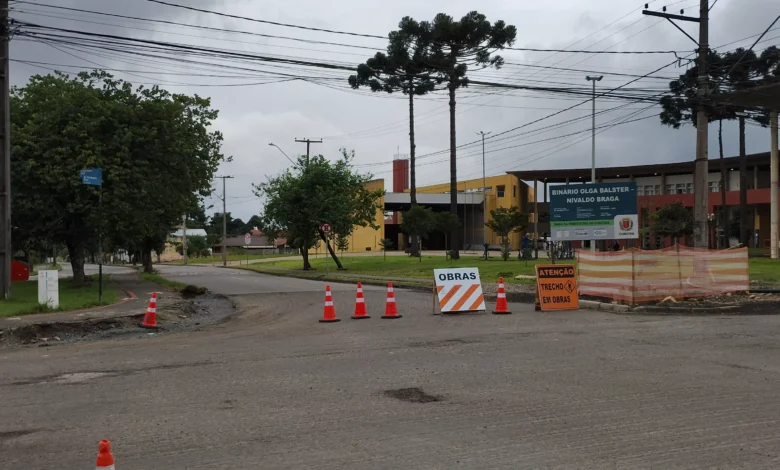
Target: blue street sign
[(92, 176)]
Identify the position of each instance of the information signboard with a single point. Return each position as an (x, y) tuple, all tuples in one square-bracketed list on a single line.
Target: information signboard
[(459, 290), (601, 211), (48, 288)]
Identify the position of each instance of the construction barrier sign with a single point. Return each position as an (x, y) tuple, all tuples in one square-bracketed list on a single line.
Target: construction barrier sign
[(459, 290), (556, 286)]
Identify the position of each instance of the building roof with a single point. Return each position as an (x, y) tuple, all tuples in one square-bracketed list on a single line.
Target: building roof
[(191, 232), (637, 171), (256, 242)]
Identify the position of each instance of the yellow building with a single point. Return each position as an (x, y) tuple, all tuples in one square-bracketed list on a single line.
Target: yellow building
[(363, 238)]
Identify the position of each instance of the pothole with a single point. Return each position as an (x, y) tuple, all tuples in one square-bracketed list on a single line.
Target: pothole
[(412, 395)]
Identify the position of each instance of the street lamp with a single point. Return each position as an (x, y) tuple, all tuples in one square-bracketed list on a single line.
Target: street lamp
[(280, 149), (593, 79)]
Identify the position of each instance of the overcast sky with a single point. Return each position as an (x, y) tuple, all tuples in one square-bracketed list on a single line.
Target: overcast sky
[(375, 125)]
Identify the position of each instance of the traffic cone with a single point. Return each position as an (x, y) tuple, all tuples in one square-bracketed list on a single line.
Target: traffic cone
[(150, 319), (501, 306), (360, 304), (105, 459), (390, 309), (329, 315)]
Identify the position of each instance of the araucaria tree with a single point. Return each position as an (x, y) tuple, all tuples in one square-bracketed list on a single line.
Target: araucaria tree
[(303, 198), (406, 69), (156, 151), (456, 45)]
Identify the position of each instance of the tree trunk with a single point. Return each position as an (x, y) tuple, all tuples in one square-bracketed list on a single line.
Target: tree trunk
[(146, 257), (414, 251), (76, 253), (330, 250), (454, 244), (305, 256), (744, 236), (724, 210)]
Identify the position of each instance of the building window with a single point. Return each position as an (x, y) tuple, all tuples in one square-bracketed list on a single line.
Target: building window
[(671, 189), (640, 190), (715, 186), (514, 191), (500, 191), (688, 188)]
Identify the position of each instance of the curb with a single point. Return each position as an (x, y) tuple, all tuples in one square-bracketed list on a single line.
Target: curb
[(604, 307)]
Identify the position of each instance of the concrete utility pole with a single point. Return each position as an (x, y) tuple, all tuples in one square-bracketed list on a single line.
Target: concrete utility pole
[(484, 188), (224, 219), (773, 168), (700, 189), (593, 141), (308, 145), (184, 237), (6, 255)]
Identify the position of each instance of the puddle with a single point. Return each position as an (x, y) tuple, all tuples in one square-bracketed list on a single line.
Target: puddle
[(411, 395)]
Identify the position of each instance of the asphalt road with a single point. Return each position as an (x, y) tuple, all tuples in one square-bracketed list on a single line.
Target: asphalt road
[(273, 388)]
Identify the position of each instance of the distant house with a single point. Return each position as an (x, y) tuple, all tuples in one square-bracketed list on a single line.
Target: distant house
[(259, 244), (176, 237)]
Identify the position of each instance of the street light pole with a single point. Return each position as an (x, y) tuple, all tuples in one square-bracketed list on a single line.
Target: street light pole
[(484, 187), (283, 153), (593, 79), (224, 220)]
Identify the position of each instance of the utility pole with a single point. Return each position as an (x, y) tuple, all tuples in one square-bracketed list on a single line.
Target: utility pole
[(308, 145), (484, 193), (6, 256), (184, 238), (700, 189), (593, 79), (224, 219)]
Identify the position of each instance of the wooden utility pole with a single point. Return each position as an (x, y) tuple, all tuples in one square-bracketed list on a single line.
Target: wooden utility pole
[(6, 255), (308, 145), (700, 184)]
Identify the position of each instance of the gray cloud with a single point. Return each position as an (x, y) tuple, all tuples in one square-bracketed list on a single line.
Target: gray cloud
[(375, 125)]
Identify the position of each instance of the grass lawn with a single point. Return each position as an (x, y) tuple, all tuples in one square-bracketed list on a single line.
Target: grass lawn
[(24, 297), (761, 269), (230, 257), (157, 279), (413, 268)]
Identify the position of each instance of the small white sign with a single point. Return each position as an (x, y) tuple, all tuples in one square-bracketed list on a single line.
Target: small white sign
[(49, 288), (459, 290), (247, 239)]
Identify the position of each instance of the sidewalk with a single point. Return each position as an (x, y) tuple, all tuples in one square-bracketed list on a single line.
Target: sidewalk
[(134, 303)]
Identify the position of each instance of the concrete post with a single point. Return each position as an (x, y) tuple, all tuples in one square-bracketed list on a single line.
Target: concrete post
[(773, 184)]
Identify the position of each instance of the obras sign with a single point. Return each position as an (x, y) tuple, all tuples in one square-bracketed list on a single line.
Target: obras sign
[(459, 290)]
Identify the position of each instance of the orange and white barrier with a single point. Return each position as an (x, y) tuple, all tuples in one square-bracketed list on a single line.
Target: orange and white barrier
[(502, 308), (459, 290), (639, 276), (105, 459)]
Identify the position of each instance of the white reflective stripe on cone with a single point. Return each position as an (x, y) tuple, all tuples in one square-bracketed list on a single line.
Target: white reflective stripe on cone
[(389, 289), (390, 299), (359, 301), (151, 310), (106, 468), (328, 303)]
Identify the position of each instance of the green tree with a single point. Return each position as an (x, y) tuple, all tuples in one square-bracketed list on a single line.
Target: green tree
[(342, 243), (385, 244), (234, 226), (419, 221), (406, 69), (446, 223), (504, 221), (197, 218), (672, 220), (255, 221), (456, 45), (155, 149), (303, 198)]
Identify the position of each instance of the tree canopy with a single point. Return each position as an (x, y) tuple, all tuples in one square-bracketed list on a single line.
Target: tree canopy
[(301, 199), (673, 220), (504, 221), (156, 151)]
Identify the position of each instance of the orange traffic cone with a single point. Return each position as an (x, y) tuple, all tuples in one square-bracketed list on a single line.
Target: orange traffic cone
[(501, 306), (329, 316), (390, 309), (150, 319), (360, 304), (105, 460)]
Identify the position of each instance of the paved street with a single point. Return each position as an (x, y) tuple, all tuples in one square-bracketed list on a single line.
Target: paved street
[(273, 388)]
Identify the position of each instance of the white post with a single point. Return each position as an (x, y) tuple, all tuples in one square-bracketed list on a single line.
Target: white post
[(593, 141)]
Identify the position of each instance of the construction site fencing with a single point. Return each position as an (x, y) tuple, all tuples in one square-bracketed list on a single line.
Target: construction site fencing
[(636, 276)]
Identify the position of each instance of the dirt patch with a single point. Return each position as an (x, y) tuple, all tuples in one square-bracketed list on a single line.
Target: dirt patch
[(8, 435), (192, 291), (442, 343), (81, 377), (412, 395)]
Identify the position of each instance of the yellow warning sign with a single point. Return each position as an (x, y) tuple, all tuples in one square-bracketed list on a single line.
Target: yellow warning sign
[(556, 286)]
